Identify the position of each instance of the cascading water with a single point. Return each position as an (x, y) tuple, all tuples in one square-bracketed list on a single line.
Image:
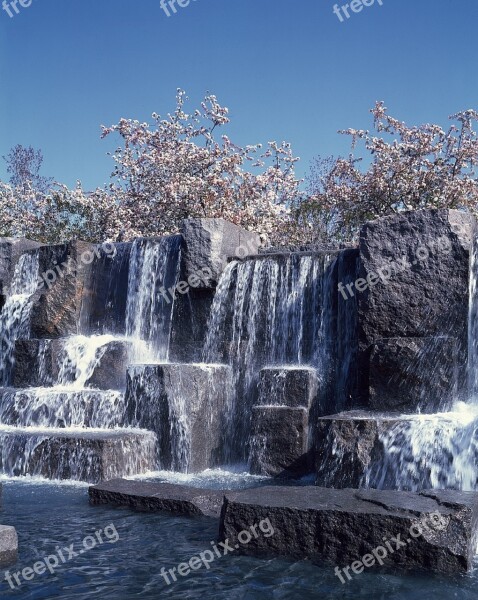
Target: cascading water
[(68, 411), (269, 310), (15, 314), (438, 451), (153, 273)]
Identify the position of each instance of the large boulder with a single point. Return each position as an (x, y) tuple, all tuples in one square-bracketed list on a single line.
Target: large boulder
[(107, 294), (355, 529), (414, 281), (207, 245), (60, 303)]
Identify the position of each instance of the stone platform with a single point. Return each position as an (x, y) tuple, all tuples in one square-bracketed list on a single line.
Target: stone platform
[(432, 530)]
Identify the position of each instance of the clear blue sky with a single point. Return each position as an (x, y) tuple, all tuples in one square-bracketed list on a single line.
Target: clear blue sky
[(287, 69)]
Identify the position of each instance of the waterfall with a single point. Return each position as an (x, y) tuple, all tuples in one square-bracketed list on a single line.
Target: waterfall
[(437, 451), (153, 276), (51, 407), (15, 314), (473, 326), (270, 310)]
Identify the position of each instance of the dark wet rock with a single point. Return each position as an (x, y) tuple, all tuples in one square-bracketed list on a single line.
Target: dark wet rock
[(423, 258), (282, 386), (157, 397), (348, 444), (407, 374), (66, 273), (38, 363), (279, 441)]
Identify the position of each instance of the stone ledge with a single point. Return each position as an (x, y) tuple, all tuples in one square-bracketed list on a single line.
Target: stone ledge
[(158, 497)]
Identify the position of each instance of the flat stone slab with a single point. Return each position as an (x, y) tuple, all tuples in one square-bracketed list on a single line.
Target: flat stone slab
[(8, 545), (436, 530), (158, 497)]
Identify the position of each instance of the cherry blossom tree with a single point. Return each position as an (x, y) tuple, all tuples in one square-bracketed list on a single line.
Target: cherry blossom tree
[(181, 167), (411, 168)]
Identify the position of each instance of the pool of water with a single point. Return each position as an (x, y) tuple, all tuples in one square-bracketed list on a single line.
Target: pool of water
[(135, 546)]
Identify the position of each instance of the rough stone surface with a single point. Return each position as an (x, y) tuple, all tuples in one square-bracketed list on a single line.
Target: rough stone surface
[(38, 362), (208, 243), (294, 387), (407, 374), (158, 497), (8, 546), (189, 325), (185, 405), (58, 305), (207, 246), (106, 306), (279, 441), (339, 527), (348, 444), (426, 290)]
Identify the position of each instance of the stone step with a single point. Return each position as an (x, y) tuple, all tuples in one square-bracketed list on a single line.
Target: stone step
[(57, 407), (287, 386), (158, 497), (89, 455), (98, 362), (355, 530)]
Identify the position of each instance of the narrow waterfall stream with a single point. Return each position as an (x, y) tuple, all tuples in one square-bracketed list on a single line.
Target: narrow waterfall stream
[(153, 272), (15, 314)]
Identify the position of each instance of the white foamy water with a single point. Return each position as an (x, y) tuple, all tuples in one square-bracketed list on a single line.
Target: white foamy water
[(429, 451)]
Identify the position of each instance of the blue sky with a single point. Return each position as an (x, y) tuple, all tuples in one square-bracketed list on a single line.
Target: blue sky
[(287, 70)]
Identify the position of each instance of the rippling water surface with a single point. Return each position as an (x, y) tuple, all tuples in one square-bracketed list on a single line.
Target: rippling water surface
[(49, 515)]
